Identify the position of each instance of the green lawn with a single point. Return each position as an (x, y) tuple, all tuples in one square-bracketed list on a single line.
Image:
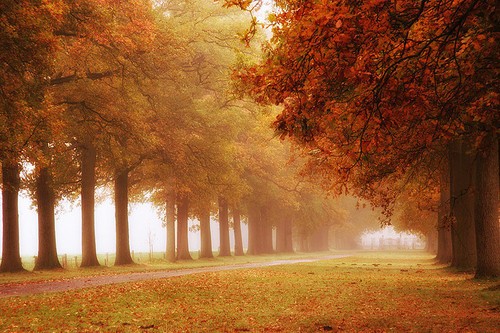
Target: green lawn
[(368, 292)]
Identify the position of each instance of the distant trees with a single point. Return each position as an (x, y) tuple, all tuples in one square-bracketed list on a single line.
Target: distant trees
[(372, 90), (139, 96)]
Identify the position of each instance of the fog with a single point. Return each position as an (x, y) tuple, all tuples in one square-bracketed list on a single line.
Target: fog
[(145, 225)]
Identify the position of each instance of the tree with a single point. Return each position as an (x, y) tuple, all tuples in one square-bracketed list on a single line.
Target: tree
[(182, 228), (205, 233), (368, 101), (238, 241), (28, 45), (46, 201), (224, 228), (486, 208)]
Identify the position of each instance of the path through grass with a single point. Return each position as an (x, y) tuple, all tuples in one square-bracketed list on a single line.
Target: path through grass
[(370, 292)]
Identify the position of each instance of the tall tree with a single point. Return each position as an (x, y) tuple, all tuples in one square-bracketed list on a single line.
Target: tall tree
[(238, 240), (28, 44), (205, 233), (11, 258), (462, 169), (46, 200), (123, 256), (444, 251), (367, 101), (224, 249), (486, 208), (182, 228), (88, 170)]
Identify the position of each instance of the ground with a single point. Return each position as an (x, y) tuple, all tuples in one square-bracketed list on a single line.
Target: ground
[(366, 292)]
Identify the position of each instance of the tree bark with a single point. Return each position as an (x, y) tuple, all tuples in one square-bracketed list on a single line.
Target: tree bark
[(11, 258), (432, 241), (254, 240), (89, 254), (123, 256), (303, 243), (266, 232), (462, 206), (318, 240), (444, 252), (238, 240), (486, 209), (45, 198), (225, 249), (205, 234), (182, 229), (170, 212), (284, 242)]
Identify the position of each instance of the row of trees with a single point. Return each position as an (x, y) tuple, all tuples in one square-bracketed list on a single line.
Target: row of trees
[(395, 100), (137, 96)]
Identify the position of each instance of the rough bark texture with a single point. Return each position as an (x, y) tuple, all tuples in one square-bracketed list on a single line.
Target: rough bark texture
[(89, 254), (170, 212), (225, 249), (123, 256), (254, 240), (47, 252), (238, 240), (486, 209), (182, 229), (205, 234), (11, 258), (444, 252), (284, 242), (462, 206)]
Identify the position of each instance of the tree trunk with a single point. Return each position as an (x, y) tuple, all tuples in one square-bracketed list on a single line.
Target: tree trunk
[(444, 252), (254, 241), (11, 258), (183, 230), (47, 252), (318, 240), (462, 206), (303, 243), (205, 234), (225, 249), (266, 232), (170, 212), (284, 236), (123, 256), (486, 209), (89, 255), (432, 239), (238, 241)]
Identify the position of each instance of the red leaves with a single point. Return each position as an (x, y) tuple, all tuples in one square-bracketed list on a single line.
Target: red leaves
[(382, 83)]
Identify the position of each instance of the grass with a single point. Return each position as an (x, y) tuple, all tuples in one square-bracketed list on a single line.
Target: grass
[(368, 292), (142, 263)]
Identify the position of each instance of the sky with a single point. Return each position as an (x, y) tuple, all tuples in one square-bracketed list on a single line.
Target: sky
[(144, 223)]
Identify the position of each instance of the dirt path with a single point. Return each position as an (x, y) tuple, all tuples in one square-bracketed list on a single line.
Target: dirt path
[(86, 282)]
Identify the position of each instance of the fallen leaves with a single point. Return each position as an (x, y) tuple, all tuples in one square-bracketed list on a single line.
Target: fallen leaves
[(272, 299)]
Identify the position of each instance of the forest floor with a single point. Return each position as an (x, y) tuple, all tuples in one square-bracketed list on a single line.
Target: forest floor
[(366, 292)]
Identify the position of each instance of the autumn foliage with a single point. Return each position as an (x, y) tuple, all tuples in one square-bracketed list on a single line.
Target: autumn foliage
[(375, 91)]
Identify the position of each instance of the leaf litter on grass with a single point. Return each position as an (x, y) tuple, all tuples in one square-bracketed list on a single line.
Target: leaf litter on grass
[(348, 298)]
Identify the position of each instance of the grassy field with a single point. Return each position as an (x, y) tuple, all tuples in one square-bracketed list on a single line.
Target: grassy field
[(143, 263), (368, 292)]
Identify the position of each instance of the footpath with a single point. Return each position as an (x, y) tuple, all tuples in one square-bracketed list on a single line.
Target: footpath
[(32, 288)]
